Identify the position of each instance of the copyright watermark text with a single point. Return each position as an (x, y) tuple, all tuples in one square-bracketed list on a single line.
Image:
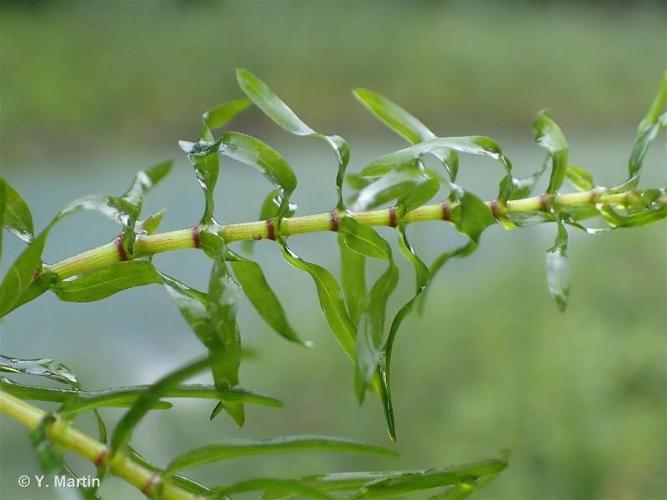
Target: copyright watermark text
[(57, 481)]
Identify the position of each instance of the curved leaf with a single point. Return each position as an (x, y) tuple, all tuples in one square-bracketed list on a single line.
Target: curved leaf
[(145, 180), (474, 145), (550, 137), (48, 368), (412, 482), (220, 115), (330, 297), (558, 268), (365, 241), (256, 153), (16, 214), (404, 124), (244, 447), (654, 121), (581, 178), (204, 160), (250, 276), (273, 107), (392, 115), (104, 282)]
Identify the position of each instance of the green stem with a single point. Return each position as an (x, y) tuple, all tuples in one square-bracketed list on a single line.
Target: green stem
[(188, 238), (62, 432)]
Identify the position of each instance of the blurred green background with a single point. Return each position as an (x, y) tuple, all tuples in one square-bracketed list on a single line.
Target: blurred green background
[(90, 93)]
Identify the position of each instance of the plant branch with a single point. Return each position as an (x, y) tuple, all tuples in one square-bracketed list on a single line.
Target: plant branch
[(147, 245), (62, 432)]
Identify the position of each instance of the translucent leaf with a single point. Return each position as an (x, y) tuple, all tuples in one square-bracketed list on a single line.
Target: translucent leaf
[(580, 178), (273, 107), (145, 180), (150, 224), (404, 124), (47, 368), (220, 115), (474, 145), (123, 431), (106, 281), (223, 293), (194, 307), (550, 137), (21, 273), (114, 208), (654, 121), (255, 153), (395, 184), (16, 214), (204, 159), (558, 268), (244, 447)]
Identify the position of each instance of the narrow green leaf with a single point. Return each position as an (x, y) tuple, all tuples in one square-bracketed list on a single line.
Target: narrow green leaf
[(271, 486), (273, 107), (392, 115), (580, 178), (421, 270), (123, 431), (107, 281), (205, 161), (220, 115), (145, 180), (654, 121), (474, 145), (366, 241), (472, 216), (244, 447), (558, 268), (411, 482), (256, 153), (75, 400), (48, 368), (353, 280), (250, 276), (330, 297), (114, 208), (397, 183), (224, 352), (550, 137), (150, 224), (20, 275), (404, 124), (223, 292), (16, 214)]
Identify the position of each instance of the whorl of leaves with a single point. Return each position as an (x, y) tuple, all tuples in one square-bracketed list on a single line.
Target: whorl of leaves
[(357, 312)]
